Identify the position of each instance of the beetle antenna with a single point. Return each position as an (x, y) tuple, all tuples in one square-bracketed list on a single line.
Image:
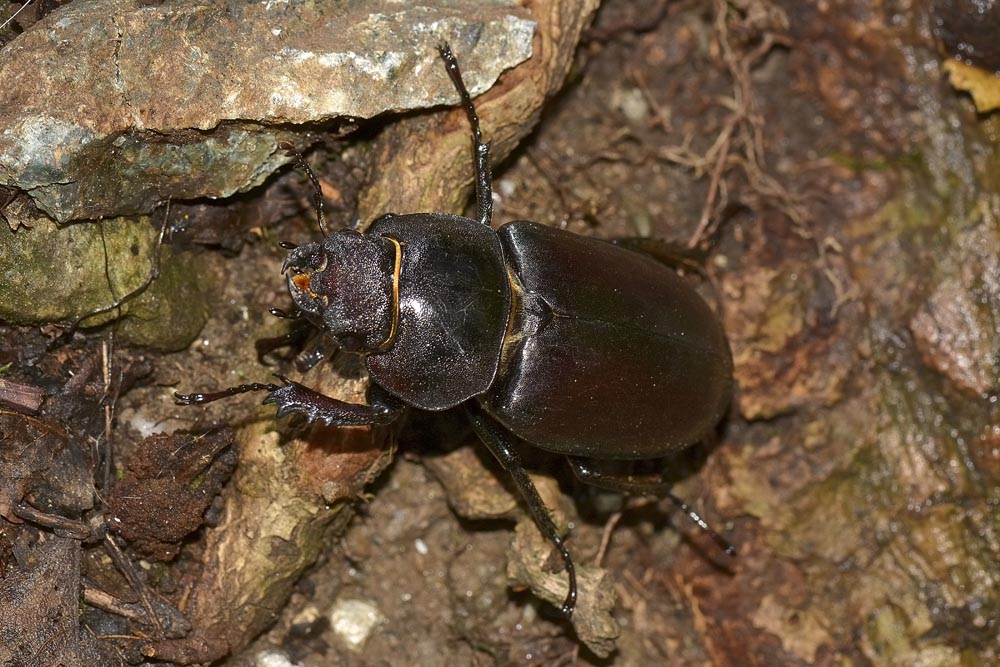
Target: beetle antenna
[(484, 188), (701, 523), (301, 163)]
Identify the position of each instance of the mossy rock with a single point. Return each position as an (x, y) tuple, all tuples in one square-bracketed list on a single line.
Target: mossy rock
[(51, 273)]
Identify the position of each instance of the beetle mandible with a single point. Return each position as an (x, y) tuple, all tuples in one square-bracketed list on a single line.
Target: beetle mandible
[(571, 344)]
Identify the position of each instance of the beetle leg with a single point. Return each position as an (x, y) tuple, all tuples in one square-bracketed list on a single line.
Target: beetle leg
[(317, 189), (298, 336), (192, 399), (484, 188), (309, 358), (498, 442), (278, 312), (292, 397), (589, 473), (676, 256), (642, 485)]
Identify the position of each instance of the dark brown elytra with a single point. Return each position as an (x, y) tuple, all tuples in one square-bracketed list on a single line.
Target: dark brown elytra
[(570, 344)]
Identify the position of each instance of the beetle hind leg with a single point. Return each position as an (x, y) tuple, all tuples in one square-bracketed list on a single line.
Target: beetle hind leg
[(654, 485), (498, 442), (672, 255), (590, 472)]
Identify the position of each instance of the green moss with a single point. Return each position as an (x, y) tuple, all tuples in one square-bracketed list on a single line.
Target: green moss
[(50, 273), (909, 159)]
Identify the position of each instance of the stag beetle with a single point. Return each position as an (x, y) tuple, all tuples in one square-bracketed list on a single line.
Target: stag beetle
[(573, 345)]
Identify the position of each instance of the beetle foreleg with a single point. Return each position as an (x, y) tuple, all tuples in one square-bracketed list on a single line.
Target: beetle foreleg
[(484, 188), (193, 399), (298, 336), (292, 397), (497, 441), (278, 312)]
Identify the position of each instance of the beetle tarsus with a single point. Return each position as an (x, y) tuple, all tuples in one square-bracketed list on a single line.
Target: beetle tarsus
[(197, 399), (701, 523)]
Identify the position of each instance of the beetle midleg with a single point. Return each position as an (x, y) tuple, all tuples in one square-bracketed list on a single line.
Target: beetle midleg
[(484, 188), (496, 439)]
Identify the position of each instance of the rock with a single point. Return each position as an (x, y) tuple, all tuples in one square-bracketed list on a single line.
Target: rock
[(50, 273), (112, 107)]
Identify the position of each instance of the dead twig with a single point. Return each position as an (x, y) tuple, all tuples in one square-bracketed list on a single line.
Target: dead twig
[(22, 397), (740, 142)]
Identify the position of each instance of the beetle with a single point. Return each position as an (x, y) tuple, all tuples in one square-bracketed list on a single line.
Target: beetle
[(571, 344)]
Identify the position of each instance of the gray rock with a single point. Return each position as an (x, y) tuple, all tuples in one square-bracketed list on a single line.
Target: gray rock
[(109, 108)]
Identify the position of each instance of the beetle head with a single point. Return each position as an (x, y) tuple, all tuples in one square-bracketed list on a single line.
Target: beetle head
[(348, 282)]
